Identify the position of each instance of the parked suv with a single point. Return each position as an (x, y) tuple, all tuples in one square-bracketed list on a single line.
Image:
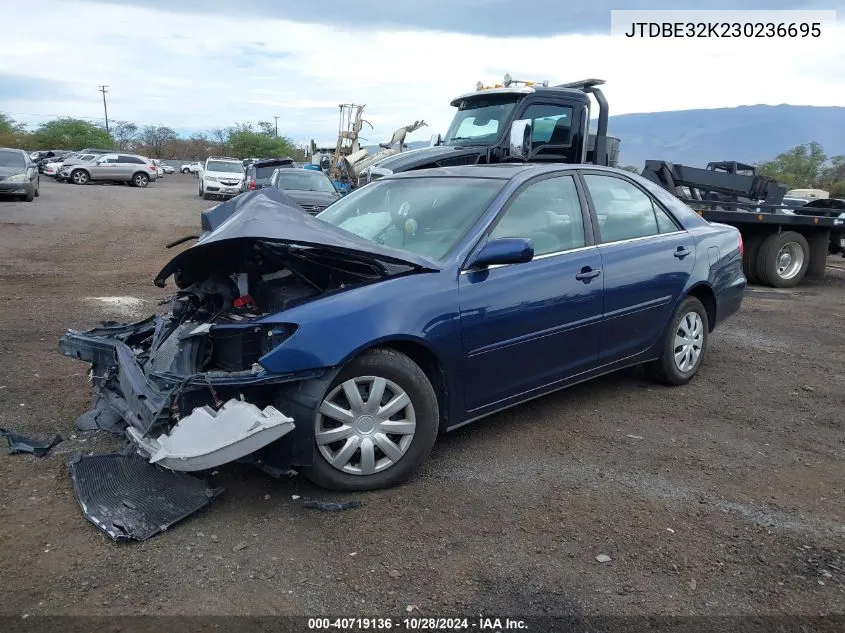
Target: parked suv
[(221, 176), (129, 168), (80, 158), (258, 172)]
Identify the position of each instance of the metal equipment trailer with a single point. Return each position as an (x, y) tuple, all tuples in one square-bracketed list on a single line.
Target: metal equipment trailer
[(782, 244)]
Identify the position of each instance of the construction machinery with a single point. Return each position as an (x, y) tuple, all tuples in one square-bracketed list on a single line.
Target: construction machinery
[(344, 162)]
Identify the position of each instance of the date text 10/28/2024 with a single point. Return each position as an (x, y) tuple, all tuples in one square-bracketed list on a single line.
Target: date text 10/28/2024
[(727, 30), (490, 624)]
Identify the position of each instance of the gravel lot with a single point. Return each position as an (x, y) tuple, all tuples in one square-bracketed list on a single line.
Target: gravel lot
[(726, 496)]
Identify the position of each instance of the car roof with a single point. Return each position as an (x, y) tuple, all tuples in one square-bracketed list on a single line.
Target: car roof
[(12, 149), (501, 171), (264, 161)]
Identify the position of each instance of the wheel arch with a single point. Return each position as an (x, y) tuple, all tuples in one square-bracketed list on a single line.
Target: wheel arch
[(704, 293), (421, 354)]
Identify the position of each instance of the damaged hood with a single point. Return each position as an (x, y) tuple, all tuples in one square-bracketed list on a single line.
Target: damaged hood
[(262, 216)]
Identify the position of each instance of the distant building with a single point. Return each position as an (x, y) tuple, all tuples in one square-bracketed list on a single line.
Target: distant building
[(810, 194)]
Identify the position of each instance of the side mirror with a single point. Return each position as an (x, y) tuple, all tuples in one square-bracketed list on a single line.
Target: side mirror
[(520, 141), (505, 250), (435, 140)]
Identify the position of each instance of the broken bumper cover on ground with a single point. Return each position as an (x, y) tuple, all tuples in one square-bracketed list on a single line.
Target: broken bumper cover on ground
[(168, 417)]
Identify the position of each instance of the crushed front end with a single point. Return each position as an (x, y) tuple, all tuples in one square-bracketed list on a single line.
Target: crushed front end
[(187, 387)]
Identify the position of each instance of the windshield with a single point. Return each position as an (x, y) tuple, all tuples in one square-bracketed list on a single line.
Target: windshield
[(425, 216), (225, 166), (479, 120), (303, 180), (12, 159)]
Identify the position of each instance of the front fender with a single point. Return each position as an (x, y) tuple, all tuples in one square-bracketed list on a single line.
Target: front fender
[(420, 307)]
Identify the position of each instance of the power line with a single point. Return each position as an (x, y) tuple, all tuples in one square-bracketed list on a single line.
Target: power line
[(105, 109)]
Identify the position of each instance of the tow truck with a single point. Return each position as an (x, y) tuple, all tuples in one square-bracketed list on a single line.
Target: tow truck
[(515, 120), (532, 121)]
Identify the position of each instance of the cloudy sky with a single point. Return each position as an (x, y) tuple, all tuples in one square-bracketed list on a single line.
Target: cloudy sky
[(199, 64)]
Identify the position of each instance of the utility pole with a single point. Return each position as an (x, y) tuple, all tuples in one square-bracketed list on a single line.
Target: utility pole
[(277, 126), (105, 109)]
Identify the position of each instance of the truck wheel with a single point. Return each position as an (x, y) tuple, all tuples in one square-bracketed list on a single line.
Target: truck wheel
[(377, 422), (751, 247), (783, 259), (684, 345)]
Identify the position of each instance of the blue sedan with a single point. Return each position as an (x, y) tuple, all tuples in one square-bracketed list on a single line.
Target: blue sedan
[(341, 345)]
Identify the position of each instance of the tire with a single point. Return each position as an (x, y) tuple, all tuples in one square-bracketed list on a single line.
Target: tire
[(185, 171), (28, 197), (140, 180), (666, 369), (400, 374), (38, 188), (79, 177), (783, 259), (751, 247)]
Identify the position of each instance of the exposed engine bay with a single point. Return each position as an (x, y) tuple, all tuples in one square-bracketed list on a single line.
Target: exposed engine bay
[(204, 331)]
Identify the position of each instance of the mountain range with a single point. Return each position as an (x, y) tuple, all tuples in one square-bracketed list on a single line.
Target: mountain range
[(747, 134)]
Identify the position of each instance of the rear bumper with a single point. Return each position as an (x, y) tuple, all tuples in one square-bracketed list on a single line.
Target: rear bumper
[(730, 299)]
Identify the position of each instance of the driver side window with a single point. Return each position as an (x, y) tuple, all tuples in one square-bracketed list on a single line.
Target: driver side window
[(551, 125), (548, 212)]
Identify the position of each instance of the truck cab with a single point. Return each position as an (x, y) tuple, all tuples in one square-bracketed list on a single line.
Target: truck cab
[(515, 121)]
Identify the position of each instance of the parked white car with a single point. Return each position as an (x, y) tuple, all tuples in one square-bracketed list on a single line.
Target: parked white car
[(221, 176), (168, 169), (191, 168), (52, 168)]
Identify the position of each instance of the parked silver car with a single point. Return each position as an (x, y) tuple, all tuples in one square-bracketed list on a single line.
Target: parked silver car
[(129, 168), (18, 175)]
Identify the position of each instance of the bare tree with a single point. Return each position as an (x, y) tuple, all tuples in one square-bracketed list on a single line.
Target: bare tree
[(125, 134), (155, 139)]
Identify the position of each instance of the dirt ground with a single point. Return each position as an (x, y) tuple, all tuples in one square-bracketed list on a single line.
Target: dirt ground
[(726, 496)]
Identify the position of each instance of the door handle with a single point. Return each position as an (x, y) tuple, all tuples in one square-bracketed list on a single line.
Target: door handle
[(682, 252), (587, 273)]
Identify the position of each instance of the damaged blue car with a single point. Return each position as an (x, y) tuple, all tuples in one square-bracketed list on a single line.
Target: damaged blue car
[(341, 345)]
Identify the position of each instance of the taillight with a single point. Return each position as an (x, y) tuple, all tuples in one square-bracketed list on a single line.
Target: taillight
[(741, 247), (252, 183), (152, 167)]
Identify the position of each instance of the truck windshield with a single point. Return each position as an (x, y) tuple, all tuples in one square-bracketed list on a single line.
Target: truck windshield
[(479, 120)]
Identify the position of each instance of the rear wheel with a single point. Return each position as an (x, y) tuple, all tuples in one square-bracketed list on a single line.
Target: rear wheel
[(783, 259), (140, 180), (751, 246), (684, 345), (376, 423)]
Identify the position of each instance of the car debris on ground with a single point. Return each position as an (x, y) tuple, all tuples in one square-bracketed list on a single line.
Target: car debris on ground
[(21, 444)]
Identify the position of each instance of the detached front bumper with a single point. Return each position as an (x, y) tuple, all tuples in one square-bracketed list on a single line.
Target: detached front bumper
[(179, 422)]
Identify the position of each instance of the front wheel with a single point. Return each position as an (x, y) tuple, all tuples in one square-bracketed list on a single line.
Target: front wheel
[(80, 177), (140, 180), (684, 345), (376, 423)]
